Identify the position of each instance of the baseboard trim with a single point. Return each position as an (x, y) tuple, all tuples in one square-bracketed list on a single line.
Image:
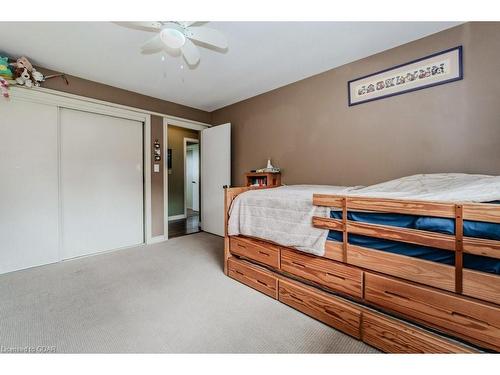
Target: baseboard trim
[(157, 239), (176, 217)]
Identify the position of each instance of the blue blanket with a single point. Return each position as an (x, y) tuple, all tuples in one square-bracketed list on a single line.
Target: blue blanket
[(441, 225)]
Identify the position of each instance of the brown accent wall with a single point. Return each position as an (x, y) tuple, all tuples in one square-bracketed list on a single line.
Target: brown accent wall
[(157, 211), (96, 90), (176, 137), (308, 129)]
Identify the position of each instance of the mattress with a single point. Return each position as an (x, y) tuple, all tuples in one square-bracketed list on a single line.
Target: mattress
[(282, 215), (441, 225)]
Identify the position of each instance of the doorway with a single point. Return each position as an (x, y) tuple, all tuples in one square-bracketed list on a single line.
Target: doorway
[(192, 178), (183, 181)]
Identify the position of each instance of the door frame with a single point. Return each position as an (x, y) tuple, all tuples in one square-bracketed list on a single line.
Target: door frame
[(181, 123), (186, 141)]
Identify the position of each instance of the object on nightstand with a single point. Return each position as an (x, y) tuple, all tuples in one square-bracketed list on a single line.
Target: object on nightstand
[(268, 169)]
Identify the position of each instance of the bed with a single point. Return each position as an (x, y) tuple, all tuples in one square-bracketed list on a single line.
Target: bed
[(424, 248)]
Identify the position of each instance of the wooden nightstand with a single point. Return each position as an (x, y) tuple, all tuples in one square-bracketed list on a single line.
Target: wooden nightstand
[(263, 180)]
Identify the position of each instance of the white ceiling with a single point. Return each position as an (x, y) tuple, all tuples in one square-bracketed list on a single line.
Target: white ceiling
[(261, 55)]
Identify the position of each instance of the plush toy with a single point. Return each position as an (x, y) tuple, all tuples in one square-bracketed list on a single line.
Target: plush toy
[(37, 76), (24, 78), (22, 73), (21, 64), (4, 87), (5, 71), (25, 74)]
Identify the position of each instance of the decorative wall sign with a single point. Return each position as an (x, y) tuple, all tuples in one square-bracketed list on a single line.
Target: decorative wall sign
[(157, 150), (428, 71)]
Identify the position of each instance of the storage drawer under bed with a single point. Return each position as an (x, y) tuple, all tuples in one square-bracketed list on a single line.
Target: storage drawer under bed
[(257, 278), (262, 252), (471, 320), (395, 336), (333, 275), (329, 309), (374, 328)]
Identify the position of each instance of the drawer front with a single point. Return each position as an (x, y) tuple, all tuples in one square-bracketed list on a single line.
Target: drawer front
[(259, 251), (471, 320), (328, 309), (394, 336), (482, 285), (335, 276), (254, 277)]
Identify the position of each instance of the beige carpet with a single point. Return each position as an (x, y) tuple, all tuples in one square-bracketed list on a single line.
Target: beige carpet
[(170, 297)]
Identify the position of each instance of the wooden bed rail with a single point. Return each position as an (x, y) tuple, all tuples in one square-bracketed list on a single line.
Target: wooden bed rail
[(457, 211), (229, 194)]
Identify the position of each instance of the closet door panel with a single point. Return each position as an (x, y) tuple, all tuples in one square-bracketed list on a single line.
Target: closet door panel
[(28, 185), (101, 182)]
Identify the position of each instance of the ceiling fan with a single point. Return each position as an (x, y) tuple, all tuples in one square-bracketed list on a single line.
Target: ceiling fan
[(175, 36)]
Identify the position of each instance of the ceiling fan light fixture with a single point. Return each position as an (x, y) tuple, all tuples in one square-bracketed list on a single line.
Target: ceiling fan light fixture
[(176, 38), (172, 38)]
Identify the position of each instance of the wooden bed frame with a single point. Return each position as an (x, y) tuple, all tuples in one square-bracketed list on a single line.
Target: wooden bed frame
[(394, 302)]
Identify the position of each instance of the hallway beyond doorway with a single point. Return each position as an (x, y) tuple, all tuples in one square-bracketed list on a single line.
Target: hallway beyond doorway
[(182, 227)]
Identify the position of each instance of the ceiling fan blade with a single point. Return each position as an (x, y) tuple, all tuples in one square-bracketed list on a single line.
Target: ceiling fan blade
[(207, 35), (190, 53), (153, 45), (148, 26)]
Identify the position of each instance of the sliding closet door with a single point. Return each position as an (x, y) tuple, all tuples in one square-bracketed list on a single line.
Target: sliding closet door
[(101, 182), (28, 185)]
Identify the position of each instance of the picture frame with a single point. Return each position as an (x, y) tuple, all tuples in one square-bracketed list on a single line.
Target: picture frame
[(429, 71)]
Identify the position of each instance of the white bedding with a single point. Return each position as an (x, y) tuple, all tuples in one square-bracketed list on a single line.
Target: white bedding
[(445, 187), (284, 215)]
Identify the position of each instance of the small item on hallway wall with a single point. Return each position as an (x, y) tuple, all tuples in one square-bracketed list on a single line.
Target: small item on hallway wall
[(169, 160), (157, 150), (436, 69)]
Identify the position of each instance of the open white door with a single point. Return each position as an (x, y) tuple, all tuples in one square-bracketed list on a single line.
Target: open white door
[(215, 173)]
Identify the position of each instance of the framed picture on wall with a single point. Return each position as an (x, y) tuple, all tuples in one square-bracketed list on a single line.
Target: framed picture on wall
[(436, 69)]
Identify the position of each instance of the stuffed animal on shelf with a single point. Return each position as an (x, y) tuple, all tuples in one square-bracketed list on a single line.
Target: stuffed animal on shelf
[(21, 73), (5, 71), (25, 74), (4, 87), (21, 64)]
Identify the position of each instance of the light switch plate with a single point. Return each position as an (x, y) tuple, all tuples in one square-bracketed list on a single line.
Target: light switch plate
[(156, 168)]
